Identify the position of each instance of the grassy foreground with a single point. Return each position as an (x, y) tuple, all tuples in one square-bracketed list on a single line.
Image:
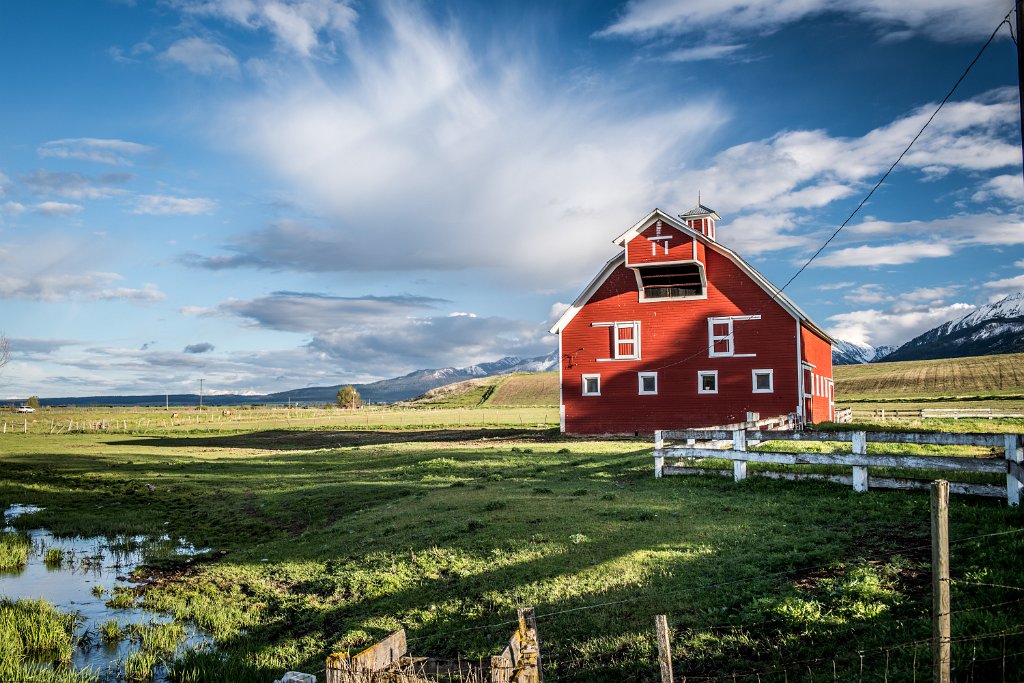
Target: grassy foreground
[(328, 540)]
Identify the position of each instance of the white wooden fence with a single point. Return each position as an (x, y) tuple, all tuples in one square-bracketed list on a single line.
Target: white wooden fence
[(1012, 465)]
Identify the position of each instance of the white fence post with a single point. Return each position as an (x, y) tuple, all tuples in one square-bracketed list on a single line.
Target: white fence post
[(860, 473), (739, 443), (659, 458), (1014, 469)]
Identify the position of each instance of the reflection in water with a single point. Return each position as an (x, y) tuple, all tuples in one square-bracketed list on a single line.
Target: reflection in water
[(88, 573)]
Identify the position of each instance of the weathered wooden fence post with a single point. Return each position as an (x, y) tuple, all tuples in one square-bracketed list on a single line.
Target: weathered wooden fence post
[(941, 645), (739, 443), (659, 457), (860, 473), (1014, 468), (664, 648)]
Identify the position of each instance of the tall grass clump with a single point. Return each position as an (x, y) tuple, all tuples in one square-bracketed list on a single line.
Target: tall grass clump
[(138, 666), (39, 628), (13, 551), (54, 557)]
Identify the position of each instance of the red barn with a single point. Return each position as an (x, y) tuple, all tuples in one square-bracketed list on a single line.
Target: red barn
[(678, 331)]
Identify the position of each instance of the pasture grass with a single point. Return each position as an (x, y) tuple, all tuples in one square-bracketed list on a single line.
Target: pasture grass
[(999, 375), (36, 643), (326, 541)]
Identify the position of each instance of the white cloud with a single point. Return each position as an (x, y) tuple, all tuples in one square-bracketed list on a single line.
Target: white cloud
[(165, 205), (104, 151), (892, 326), (829, 286), (53, 274), (701, 53), (387, 335), (1008, 285), (887, 255), (939, 19), (450, 156), (12, 208), (56, 209), (202, 56), (76, 185), (970, 229), (809, 169), (304, 27), (149, 293), (1006, 187)]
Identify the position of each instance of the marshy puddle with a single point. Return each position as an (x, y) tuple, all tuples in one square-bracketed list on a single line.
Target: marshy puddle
[(78, 574)]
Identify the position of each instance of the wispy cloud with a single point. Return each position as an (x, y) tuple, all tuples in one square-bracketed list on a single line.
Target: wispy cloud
[(701, 53), (942, 20), (104, 151), (202, 56), (887, 255), (57, 209), (381, 154), (303, 27), (202, 347), (166, 205), (76, 185)]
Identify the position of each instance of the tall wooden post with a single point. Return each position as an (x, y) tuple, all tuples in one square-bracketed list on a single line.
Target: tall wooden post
[(659, 456), (1014, 468), (860, 473), (941, 647), (664, 648), (739, 443)]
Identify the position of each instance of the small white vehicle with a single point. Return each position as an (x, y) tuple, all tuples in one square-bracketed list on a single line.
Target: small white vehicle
[(26, 409)]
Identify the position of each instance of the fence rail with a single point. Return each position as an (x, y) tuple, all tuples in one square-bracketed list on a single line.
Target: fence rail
[(1012, 464)]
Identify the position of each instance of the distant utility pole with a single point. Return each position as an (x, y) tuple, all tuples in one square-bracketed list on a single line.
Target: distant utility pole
[(200, 394)]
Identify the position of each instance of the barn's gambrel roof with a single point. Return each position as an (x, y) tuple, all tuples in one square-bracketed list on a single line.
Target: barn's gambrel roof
[(657, 214)]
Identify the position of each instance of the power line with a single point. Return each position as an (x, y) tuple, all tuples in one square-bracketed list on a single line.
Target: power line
[(882, 179)]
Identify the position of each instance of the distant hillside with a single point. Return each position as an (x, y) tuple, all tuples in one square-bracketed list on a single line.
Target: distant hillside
[(384, 391), (973, 376), (995, 328), (521, 389)]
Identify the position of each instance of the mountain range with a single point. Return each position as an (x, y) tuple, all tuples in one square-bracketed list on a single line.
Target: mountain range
[(384, 391), (991, 329)]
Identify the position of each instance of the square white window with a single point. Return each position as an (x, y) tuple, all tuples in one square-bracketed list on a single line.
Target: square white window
[(648, 383), (764, 381), (707, 382), (591, 385), (626, 344)]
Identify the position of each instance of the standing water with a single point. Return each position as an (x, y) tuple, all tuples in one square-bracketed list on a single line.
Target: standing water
[(80, 575)]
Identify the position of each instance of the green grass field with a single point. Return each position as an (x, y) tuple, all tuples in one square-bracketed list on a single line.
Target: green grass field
[(999, 376), (325, 539), (501, 391)]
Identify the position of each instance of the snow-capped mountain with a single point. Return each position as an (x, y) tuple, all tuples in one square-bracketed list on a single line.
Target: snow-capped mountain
[(853, 353), (991, 329)]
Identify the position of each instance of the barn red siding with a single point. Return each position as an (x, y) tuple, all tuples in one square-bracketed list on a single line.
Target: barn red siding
[(817, 352), (680, 247), (674, 343)]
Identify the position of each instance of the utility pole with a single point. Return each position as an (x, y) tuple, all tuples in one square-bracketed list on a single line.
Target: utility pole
[(200, 394), (1020, 73), (941, 641)]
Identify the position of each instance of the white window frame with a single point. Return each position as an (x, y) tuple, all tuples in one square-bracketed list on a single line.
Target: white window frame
[(701, 374), (585, 378), (728, 337), (771, 380), (620, 325), (640, 376)]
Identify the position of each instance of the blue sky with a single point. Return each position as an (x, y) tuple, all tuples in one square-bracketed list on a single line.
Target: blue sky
[(272, 194)]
